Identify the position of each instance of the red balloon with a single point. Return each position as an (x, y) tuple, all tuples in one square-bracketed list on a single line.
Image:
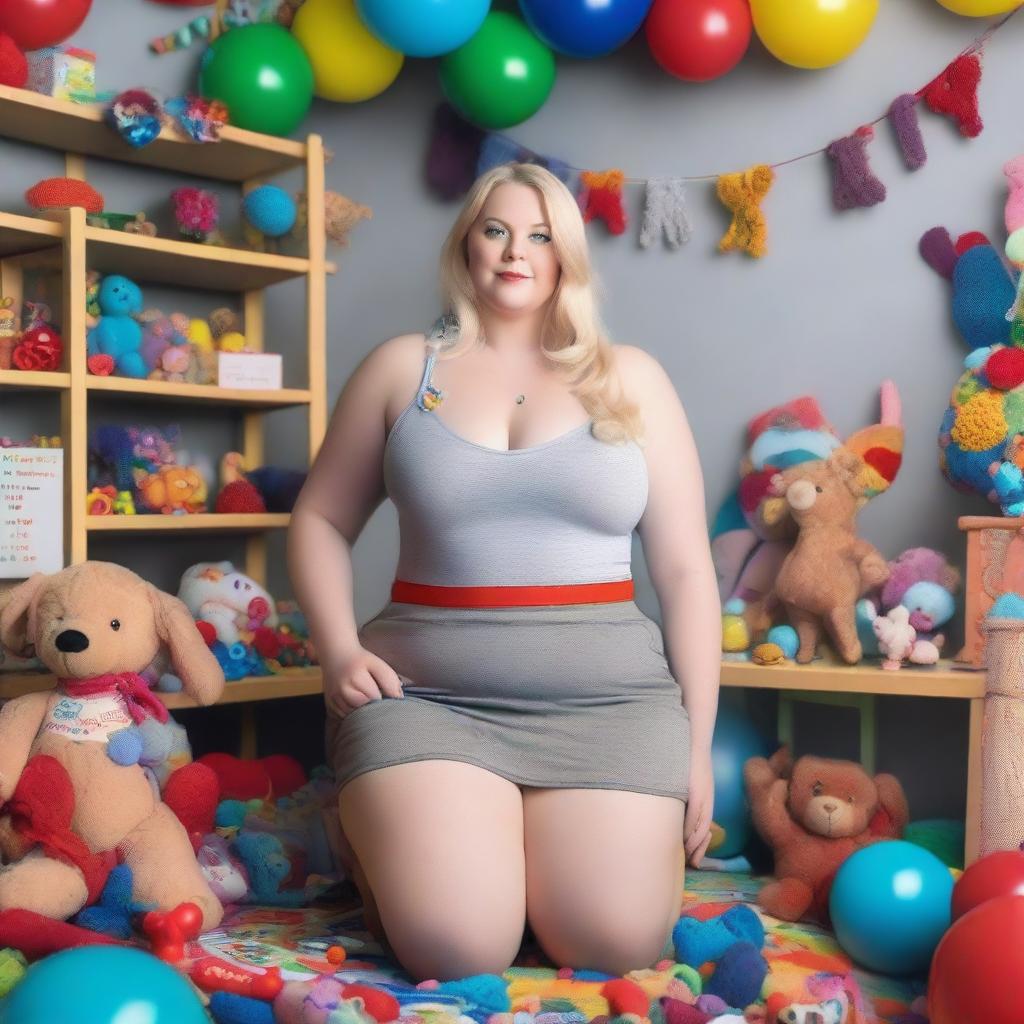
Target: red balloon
[(998, 874), (977, 974), (33, 24), (698, 40)]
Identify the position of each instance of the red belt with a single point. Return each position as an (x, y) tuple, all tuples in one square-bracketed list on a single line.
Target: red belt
[(510, 597)]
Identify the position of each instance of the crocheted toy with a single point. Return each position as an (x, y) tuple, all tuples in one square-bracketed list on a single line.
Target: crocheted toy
[(39, 348), (903, 117), (955, 92), (196, 212), (814, 814), (665, 211), (854, 184), (62, 194), (136, 115), (69, 803), (116, 333), (603, 199), (742, 193)]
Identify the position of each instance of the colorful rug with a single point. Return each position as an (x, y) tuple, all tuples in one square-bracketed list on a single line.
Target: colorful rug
[(805, 963)]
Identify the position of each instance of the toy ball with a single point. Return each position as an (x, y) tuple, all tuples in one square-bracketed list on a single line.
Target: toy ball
[(998, 874), (813, 33), (582, 28), (262, 75), (977, 974), (979, 8), (698, 40), (270, 210), (890, 905), (101, 985), (786, 638), (34, 24), (423, 28), (735, 741)]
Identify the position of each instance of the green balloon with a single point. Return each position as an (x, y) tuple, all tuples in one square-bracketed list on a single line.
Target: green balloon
[(501, 76), (262, 74)]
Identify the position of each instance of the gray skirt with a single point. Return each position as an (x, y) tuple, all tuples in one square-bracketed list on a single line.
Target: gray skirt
[(573, 696)]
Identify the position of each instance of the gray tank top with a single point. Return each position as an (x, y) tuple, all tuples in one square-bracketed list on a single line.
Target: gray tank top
[(555, 513)]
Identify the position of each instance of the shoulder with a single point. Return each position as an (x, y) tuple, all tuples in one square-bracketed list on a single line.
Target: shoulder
[(397, 353), (643, 378)]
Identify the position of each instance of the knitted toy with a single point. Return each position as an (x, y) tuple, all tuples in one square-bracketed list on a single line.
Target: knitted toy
[(903, 117), (854, 184), (116, 333), (603, 199), (74, 802), (955, 92), (665, 211), (742, 193), (814, 814)]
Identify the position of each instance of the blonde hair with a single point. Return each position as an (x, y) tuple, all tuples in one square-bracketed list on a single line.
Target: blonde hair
[(573, 339)]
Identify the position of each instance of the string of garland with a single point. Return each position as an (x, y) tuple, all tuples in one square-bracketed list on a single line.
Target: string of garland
[(459, 152)]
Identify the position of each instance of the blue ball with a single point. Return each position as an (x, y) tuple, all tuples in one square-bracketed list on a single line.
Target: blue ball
[(270, 210), (890, 905), (734, 741), (102, 985), (582, 28), (786, 638), (423, 28)]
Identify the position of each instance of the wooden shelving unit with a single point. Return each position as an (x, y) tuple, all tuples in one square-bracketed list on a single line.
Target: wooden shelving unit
[(67, 244)]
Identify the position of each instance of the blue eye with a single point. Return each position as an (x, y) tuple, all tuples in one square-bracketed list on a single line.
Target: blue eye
[(490, 231), (540, 234)]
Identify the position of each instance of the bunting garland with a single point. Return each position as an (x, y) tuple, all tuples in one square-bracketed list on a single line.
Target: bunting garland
[(459, 152)]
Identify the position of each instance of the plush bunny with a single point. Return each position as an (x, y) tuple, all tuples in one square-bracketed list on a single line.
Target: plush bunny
[(75, 797)]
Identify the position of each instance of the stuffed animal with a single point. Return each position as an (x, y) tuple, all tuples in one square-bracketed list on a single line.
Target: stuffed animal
[(116, 333), (75, 801), (217, 593), (829, 568), (898, 641), (814, 814)]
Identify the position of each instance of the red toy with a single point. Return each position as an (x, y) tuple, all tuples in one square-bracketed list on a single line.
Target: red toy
[(214, 975), (40, 348), (13, 65), (998, 874), (168, 932), (33, 24)]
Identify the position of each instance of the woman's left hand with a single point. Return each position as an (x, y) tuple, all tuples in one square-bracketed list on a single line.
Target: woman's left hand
[(699, 809)]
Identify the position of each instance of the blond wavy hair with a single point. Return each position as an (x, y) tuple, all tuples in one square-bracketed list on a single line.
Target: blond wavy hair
[(573, 340)]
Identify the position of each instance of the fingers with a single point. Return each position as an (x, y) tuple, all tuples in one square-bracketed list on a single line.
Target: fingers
[(386, 680), (697, 857)]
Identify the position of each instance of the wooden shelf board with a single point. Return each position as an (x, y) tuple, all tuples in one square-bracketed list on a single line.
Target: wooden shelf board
[(22, 380), (171, 391), (188, 264), (20, 235), (69, 127), (990, 523), (205, 522), (295, 682), (944, 680)]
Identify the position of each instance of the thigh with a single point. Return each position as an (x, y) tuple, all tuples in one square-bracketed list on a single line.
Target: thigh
[(604, 875), (441, 845)]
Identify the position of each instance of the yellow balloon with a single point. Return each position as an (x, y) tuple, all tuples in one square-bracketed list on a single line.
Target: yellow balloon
[(980, 8), (813, 33), (350, 64)]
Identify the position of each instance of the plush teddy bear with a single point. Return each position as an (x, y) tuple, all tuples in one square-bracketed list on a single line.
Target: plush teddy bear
[(814, 814), (829, 567), (75, 796)]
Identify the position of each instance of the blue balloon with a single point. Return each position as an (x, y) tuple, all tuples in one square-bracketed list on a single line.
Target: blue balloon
[(423, 28), (585, 28), (102, 985), (890, 905), (735, 740)]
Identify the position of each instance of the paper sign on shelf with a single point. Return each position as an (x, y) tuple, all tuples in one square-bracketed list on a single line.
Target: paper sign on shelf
[(31, 511)]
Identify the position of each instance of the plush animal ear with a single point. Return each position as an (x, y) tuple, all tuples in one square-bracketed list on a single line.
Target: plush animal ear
[(201, 675), (18, 616)]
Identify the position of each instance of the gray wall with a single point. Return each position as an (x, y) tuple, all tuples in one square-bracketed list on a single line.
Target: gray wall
[(840, 301)]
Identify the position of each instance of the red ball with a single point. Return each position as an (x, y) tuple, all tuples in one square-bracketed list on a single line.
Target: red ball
[(977, 973), (13, 65), (998, 874), (1005, 368), (698, 40), (33, 24)]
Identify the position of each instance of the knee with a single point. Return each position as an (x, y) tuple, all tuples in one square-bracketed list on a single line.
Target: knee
[(448, 950), (614, 944)]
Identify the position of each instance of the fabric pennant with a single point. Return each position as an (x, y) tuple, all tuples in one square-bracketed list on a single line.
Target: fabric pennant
[(499, 149), (665, 212), (955, 93), (603, 198), (741, 193), (903, 117), (453, 153), (854, 184)]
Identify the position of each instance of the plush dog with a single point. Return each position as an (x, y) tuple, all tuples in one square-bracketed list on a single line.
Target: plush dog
[(75, 797)]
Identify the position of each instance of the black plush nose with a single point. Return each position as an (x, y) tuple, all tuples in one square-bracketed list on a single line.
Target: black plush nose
[(70, 641)]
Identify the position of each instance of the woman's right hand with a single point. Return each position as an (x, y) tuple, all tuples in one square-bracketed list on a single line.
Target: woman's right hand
[(358, 679)]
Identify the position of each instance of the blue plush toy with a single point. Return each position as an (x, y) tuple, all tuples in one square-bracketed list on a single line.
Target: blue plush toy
[(270, 210), (116, 333), (1008, 482), (265, 861)]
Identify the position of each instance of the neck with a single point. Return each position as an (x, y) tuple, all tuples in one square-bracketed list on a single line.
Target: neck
[(513, 333)]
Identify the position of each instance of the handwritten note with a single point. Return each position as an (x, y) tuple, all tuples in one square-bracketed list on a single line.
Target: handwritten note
[(31, 511)]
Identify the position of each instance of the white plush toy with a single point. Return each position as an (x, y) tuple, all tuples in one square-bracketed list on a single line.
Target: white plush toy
[(898, 642), (217, 593)]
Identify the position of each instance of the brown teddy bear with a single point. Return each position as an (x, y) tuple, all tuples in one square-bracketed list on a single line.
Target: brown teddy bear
[(75, 798), (829, 567), (813, 815)]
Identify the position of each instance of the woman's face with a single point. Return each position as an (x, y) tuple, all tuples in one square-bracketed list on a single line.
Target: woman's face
[(511, 258)]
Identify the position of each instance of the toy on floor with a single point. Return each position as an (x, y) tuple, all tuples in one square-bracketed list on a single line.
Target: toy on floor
[(116, 333), (996, 874), (734, 742), (814, 814), (69, 804)]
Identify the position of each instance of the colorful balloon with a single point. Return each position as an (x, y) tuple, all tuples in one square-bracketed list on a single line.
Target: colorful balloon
[(698, 40), (33, 24), (977, 974), (262, 75), (501, 76), (998, 874), (582, 28), (980, 8), (350, 64), (813, 33), (424, 28)]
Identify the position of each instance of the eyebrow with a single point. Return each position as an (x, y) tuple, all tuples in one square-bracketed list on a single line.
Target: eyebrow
[(542, 224)]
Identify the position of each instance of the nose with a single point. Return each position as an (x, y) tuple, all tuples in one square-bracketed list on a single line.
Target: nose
[(513, 251), (801, 495), (70, 641), (829, 807)]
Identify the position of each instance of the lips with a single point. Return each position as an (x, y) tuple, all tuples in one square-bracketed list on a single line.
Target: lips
[(508, 276)]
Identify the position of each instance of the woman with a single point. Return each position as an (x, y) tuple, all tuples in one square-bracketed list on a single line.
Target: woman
[(510, 742)]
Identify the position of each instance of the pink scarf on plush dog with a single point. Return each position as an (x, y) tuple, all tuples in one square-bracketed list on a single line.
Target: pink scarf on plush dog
[(130, 685)]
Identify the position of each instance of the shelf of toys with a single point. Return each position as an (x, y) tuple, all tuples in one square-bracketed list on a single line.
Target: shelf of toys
[(75, 240)]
